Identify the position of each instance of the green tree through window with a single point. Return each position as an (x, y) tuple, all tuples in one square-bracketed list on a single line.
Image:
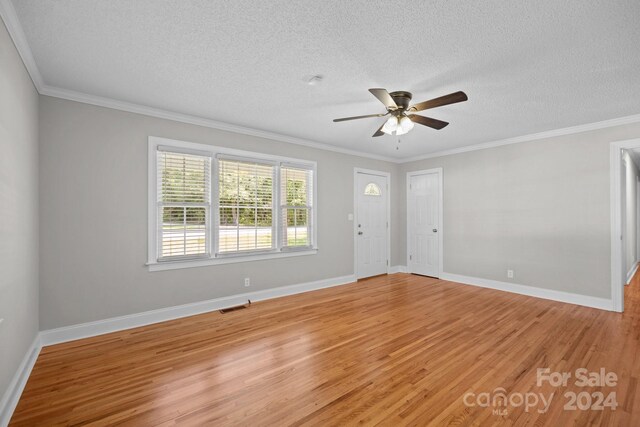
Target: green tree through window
[(246, 206)]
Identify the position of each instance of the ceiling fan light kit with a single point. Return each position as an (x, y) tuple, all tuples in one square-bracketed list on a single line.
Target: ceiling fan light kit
[(402, 119), (391, 125), (397, 126)]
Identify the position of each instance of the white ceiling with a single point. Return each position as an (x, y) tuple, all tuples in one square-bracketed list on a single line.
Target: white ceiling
[(527, 66)]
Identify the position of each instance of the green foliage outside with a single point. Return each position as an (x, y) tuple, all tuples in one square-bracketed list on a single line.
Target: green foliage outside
[(183, 181), (245, 197)]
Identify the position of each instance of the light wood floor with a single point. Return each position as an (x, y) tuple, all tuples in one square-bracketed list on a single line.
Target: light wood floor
[(392, 350)]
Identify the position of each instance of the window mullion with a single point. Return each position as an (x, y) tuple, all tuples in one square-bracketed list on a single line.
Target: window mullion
[(214, 201), (159, 232), (238, 208), (275, 210), (310, 218), (184, 222), (255, 207)]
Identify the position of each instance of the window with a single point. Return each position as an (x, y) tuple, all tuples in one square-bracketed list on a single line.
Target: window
[(296, 191), (372, 189), (246, 206), (211, 205), (184, 187)]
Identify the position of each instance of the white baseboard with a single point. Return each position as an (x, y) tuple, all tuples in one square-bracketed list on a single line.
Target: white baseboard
[(397, 269), (585, 300), (631, 273), (90, 329), (12, 395)]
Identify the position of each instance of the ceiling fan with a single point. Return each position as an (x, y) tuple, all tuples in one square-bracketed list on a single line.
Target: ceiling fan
[(402, 117)]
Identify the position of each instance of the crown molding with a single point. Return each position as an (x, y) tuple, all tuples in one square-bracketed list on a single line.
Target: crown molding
[(527, 138), (199, 121), (10, 18)]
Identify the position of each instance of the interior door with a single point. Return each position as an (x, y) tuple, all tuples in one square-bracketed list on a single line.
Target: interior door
[(371, 225), (423, 223)]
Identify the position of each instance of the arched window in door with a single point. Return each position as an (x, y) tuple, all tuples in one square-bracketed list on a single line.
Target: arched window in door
[(372, 189)]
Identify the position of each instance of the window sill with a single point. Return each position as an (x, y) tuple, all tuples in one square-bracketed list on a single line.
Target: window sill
[(175, 265)]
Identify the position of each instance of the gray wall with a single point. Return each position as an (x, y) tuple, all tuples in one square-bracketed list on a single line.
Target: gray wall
[(630, 220), (18, 210), (540, 208), (94, 217)]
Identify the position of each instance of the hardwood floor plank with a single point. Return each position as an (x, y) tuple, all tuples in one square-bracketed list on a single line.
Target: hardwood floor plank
[(390, 350)]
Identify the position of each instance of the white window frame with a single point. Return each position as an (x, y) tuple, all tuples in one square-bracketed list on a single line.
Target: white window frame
[(280, 207), (279, 251), (215, 246)]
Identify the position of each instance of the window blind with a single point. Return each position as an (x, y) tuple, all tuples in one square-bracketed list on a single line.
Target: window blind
[(184, 203), (246, 220), (296, 194)]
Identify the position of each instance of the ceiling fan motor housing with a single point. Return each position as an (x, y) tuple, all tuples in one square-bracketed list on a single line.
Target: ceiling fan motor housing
[(401, 99)]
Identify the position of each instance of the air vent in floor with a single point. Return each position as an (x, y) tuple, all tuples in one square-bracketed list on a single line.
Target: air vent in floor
[(235, 307)]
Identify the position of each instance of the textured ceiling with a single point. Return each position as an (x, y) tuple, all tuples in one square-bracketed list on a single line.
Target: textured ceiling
[(527, 66)]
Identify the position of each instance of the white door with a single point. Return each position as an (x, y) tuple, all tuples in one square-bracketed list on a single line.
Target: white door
[(423, 223), (371, 225)]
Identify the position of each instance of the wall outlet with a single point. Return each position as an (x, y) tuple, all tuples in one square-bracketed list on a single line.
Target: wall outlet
[(247, 282), (1, 320), (350, 217), (510, 274)]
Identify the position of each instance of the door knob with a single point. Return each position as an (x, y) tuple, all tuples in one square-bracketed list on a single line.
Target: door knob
[(435, 230), (359, 233)]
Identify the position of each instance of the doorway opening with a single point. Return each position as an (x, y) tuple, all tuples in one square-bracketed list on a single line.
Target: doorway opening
[(625, 217)]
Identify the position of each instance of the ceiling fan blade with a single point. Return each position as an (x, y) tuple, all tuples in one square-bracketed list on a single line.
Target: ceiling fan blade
[(384, 97), (428, 121), (379, 131), (344, 119), (452, 98)]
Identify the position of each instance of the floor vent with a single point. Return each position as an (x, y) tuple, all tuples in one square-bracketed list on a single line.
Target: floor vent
[(235, 307)]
